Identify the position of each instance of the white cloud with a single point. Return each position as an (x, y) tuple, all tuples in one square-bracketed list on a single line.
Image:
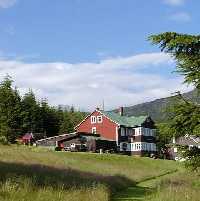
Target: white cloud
[(119, 81), (7, 3), (181, 17), (175, 2)]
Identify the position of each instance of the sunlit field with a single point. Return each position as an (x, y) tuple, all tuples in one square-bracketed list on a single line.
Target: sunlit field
[(30, 173)]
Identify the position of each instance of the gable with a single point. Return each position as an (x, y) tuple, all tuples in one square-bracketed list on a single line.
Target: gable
[(121, 120), (95, 113)]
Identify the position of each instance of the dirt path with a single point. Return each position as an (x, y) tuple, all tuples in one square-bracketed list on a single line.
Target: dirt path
[(142, 190)]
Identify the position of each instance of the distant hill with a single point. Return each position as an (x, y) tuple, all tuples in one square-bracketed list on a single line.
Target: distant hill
[(156, 109)]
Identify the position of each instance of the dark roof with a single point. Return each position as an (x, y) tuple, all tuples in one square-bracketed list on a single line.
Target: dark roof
[(188, 140), (69, 136), (79, 135)]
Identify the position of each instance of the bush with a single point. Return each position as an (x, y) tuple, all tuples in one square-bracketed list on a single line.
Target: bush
[(192, 157), (3, 140), (58, 149)]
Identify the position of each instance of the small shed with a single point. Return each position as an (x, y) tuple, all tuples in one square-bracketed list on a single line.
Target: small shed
[(28, 138), (187, 141)]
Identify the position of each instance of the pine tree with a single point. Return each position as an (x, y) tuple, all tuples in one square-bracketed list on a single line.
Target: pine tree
[(31, 113), (185, 49), (10, 111)]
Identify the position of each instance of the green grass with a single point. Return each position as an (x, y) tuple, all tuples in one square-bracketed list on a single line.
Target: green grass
[(29, 174), (179, 187)]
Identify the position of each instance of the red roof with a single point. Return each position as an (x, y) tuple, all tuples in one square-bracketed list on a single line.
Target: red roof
[(27, 136)]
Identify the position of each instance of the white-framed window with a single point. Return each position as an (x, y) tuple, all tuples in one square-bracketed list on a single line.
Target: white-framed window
[(130, 131), (138, 131), (123, 132), (143, 146), (154, 132), (146, 131), (73, 145), (93, 120), (94, 130), (137, 146), (99, 119)]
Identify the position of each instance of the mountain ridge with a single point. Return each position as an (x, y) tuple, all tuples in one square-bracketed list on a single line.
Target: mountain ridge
[(156, 108)]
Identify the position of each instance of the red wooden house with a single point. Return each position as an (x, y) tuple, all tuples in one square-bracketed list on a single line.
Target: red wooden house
[(135, 135)]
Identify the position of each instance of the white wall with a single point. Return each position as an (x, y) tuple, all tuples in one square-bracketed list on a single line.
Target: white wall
[(145, 131)]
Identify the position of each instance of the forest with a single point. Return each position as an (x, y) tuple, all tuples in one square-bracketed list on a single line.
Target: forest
[(22, 114)]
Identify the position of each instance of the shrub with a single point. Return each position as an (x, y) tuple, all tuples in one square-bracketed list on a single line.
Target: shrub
[(3, 140), (58, 149)]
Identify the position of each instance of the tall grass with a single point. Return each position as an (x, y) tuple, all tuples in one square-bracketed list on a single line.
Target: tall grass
[(32, 174), (134, 168), (182, 187)]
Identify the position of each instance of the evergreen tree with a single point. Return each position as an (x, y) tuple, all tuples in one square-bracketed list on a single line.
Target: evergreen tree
[(50, 120), (31, 113), (10, 111), (185, 49)]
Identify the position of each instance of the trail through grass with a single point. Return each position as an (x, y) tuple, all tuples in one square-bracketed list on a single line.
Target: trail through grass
[(142, 190), (178, 185), (30, 174)]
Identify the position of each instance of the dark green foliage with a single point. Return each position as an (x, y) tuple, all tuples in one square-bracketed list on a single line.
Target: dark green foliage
[(164, 134), (70, 120), (58, 149), (31, 113), (50, 119), (193, 158), (186, 50), (185, 117), (10, 111), (185, 114), (20, 115)]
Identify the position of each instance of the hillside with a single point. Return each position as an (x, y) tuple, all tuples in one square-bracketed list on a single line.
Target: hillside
[(156, 109), (31, 173)]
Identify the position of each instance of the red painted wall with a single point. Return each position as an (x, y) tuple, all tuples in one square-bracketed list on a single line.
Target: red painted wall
[(106, 129)]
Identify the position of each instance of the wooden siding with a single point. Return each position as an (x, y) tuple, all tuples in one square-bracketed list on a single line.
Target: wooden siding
[(106, 129)]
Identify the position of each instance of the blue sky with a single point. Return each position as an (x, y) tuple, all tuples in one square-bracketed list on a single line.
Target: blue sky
[(56, 43)]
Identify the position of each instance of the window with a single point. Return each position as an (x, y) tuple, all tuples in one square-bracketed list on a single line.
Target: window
[(123, 131), (146, 132), (94, 130), (93, 120), (138, 146), (153, 132), (143, 148), (99, 119), (130, 131), (138, 131), (73, 145)]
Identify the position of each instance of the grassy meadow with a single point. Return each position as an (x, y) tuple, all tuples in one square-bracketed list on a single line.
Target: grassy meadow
[(30, 173)]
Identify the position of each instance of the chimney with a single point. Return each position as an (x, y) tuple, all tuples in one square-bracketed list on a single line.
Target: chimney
[(121, 111)]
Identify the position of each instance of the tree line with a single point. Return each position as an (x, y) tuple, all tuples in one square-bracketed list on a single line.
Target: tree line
[(22, 114)]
